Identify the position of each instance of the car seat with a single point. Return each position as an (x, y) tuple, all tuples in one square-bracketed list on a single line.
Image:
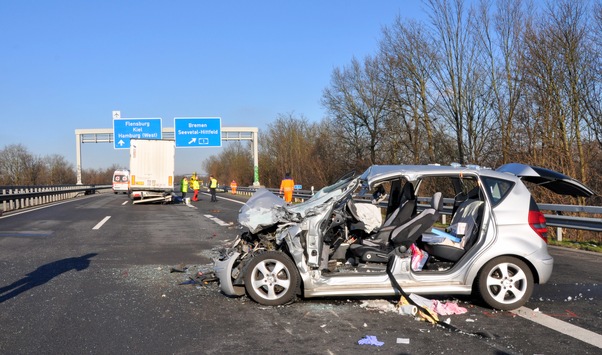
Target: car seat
[(407, 233), (406, 207), (402, 235), (470, 213)]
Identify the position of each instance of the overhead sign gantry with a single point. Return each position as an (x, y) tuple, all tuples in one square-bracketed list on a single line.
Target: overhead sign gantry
[(196, 132)]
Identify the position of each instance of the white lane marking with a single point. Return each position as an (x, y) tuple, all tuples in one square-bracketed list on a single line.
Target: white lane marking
[(101, 222), (571, 330), (125, 202), (220, 197), (217, 220)]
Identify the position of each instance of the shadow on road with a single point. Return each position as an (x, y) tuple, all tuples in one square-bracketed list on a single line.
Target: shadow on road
[(44, 274)]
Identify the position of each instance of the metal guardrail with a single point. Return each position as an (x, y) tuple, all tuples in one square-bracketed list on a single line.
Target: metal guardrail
[(18, 197), (572, 222)]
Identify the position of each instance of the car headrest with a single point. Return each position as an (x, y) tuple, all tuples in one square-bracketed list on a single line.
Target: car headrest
[(437, 201), (408, 191)]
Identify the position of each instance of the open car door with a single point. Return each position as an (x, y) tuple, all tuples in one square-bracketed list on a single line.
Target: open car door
[(550, 179)]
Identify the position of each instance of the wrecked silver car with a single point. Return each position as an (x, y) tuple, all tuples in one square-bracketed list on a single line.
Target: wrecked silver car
[(434, 229)]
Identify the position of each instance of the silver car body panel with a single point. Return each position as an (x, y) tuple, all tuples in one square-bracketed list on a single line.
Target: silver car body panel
[(223, 271)]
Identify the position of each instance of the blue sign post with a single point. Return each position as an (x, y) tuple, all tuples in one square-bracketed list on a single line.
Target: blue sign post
[(125, 129), (195, 132)]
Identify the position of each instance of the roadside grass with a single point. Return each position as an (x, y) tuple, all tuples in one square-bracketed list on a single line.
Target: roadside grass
[(589, 245)]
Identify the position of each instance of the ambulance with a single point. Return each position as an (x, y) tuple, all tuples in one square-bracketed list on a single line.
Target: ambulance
[(121, 181)]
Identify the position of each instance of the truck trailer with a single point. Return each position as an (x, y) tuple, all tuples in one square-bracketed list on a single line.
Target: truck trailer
[(152, 170)]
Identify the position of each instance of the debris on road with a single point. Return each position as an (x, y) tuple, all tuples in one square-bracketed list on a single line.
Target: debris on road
[(199, 277), (179, 268), (370, 340), (448, 308), (379, 305)]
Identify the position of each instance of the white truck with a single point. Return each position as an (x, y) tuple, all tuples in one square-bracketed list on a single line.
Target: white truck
[(152, 170)]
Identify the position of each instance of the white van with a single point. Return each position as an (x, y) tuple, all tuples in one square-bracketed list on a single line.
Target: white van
[(121, 181)]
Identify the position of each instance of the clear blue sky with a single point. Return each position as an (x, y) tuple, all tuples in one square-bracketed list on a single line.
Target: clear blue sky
[(66, 65)]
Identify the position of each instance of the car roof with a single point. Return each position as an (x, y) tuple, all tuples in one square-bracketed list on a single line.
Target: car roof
[(377, 173)]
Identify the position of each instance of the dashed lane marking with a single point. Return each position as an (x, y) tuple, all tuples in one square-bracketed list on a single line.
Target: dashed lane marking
[(217, 220), (104, 220)]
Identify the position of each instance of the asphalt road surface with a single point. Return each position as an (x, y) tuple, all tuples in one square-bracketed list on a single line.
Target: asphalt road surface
[(94, 275)]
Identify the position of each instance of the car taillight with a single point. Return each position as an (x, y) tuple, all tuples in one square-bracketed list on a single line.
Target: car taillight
[(537, 221)]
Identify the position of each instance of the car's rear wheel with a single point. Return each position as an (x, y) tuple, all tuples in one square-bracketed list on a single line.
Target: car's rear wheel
[(505, 283), (271, 278)]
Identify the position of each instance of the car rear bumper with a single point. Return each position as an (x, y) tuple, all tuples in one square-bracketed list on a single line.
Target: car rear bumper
[(544, 266)]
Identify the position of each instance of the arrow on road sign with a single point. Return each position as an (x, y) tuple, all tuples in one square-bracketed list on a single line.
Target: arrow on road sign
[(192, 141)]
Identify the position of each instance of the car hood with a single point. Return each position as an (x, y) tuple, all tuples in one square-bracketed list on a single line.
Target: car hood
[(550, 179)]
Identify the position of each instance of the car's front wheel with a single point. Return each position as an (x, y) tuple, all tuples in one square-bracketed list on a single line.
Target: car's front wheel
[(505, 283), (271, 278)]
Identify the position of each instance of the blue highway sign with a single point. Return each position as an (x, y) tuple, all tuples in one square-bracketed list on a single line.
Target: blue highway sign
[(125, 129), (195, 132)]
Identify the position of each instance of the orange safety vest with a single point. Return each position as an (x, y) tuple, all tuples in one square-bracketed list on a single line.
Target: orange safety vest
[(233, 187), (287, 186)]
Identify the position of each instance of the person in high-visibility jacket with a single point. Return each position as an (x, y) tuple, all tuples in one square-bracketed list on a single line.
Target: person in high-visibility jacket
[(184, 187), (212, 188), (196, 185), (233, 187), (287, 186)]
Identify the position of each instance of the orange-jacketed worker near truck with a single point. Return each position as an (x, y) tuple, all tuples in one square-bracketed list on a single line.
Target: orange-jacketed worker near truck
[(287, 186), (233, 187)]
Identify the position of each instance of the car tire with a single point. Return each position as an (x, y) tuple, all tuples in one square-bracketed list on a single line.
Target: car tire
[(271, 278), (505, 283)]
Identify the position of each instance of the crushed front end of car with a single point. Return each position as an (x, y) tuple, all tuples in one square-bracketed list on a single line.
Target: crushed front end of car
[(269, 259)]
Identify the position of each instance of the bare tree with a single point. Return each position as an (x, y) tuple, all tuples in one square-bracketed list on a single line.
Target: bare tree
[(58, 171), (16, 163), (290, 144), (593, 82), (235, 162), (557, 50), (457, 77), (357, 102), (407, 60), (500, 38)]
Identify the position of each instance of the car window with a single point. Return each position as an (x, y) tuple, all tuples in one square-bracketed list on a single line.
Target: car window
[(122, 178), (497, 188), (431, 184)]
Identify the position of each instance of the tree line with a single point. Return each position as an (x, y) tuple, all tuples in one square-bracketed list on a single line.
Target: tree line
[(486, 83), (19, 167), (490, 83)]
